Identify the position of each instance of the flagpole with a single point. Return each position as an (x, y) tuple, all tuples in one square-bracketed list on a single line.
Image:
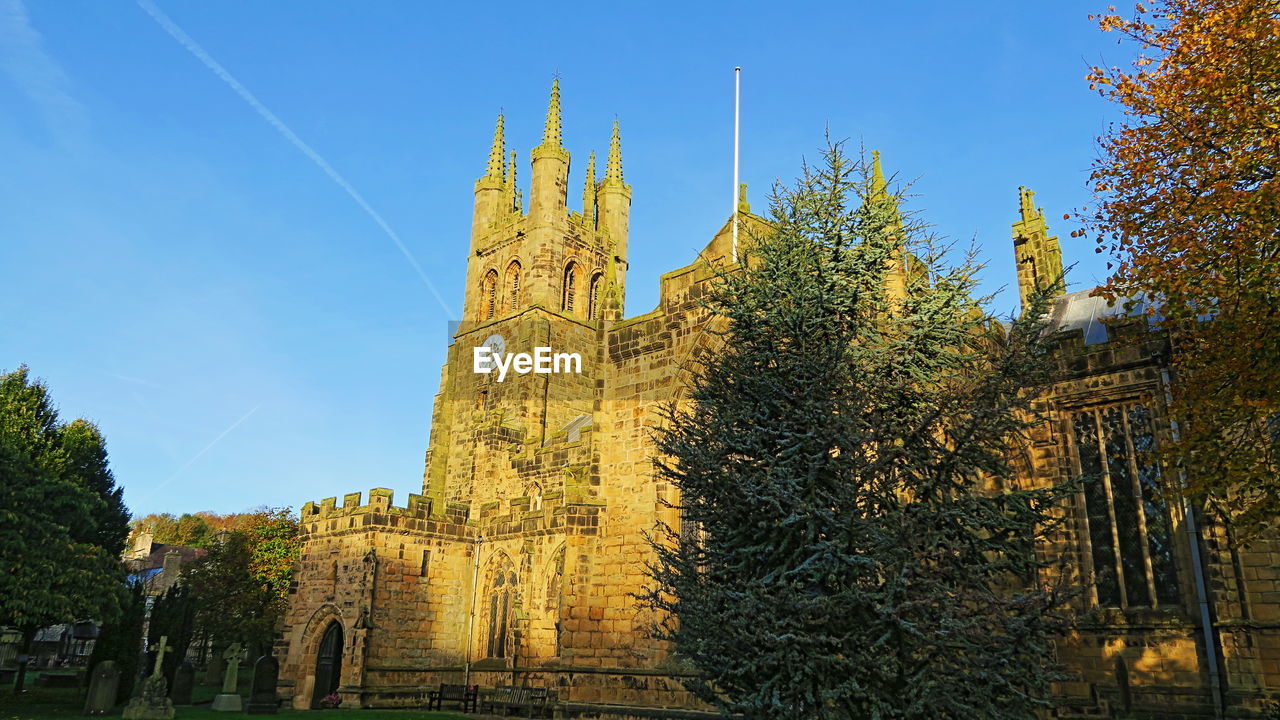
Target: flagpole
[(737, 94)]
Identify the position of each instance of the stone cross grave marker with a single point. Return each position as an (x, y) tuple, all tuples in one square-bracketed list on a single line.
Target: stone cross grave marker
[(229, 700), (161, 649), (232, 676), (153, 703)]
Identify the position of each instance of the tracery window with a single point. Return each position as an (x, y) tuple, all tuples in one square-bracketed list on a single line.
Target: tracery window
[(489, 295), (501, 611), (1127, 521), (555, 600)]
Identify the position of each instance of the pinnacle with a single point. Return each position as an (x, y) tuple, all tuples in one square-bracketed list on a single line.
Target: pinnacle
[(1026, 202), (551, 134), (613, 168), (879, 188), (495, 168), (513, 190), (589, 187)]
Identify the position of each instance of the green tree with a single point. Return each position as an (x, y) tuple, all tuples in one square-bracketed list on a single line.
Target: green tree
[(240, 587), (62, 523), (854, 543), (121, 641), (173, 616)]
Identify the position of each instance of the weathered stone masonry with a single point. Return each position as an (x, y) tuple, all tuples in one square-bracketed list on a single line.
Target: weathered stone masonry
[(518, 561)]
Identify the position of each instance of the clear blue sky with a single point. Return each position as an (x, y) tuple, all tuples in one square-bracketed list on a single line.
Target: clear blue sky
[(246, 334)]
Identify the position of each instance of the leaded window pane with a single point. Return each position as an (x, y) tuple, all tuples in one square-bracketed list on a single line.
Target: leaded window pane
[(1097, 515), (1127, 517), (1159, 534), (1124, 498)]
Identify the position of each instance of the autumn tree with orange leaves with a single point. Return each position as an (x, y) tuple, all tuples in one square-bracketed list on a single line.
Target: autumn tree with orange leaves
[(1188, 204)]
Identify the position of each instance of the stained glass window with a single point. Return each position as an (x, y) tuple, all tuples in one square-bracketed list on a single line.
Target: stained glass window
[(1128, 527)]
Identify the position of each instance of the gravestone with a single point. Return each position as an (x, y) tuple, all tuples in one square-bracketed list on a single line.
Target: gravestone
[(229, 700), (184, 680), (104, 683), (262, 700), (213, 671), (153, 702)]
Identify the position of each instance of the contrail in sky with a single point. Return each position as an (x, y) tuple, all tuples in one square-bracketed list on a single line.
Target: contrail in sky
[(204, 57), (203, 450)]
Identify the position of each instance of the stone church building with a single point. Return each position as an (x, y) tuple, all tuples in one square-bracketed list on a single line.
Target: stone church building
[(518, 561)]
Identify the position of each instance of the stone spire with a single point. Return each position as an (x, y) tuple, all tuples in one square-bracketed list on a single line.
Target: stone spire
[(613, 169), (880, 197), (879, 187), (491, 189), (495, 168), (589, 191), (614, 202), (549, 185), (551, 133)]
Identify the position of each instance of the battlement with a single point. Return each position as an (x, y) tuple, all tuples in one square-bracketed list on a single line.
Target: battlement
[(422, 515), (419, 507)]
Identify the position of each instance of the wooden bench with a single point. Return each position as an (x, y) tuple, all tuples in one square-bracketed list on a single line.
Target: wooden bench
[(505, 699), (467, 696), (539, 701)]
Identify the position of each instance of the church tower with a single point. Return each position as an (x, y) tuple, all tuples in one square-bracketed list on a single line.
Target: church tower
[(542, 277), (566, 262)]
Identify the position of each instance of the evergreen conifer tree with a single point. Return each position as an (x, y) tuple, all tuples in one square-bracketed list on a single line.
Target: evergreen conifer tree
[(62, 518), (854, 541)]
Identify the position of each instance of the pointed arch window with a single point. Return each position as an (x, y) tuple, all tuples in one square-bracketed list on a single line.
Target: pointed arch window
[(569, 287), (593, 296), (500, 608), (534, 492), (489, 295), (512, 285), (1127, 523), (555, 600)]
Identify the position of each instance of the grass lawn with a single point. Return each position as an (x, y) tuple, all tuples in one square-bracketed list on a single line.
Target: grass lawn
[(64, 703)]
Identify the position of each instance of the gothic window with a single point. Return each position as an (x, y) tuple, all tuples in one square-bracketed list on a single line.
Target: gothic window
[(1127, 522), (555, 600), (593, 297), (535, 496), (501, 611), (513, 285), (569, 287), (489, 295)]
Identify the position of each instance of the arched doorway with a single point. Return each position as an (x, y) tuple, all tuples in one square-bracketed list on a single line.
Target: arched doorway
[(328, 663)]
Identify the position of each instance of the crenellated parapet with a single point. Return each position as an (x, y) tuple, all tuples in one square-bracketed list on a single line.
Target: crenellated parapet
[(573, 511), (419, 515)]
